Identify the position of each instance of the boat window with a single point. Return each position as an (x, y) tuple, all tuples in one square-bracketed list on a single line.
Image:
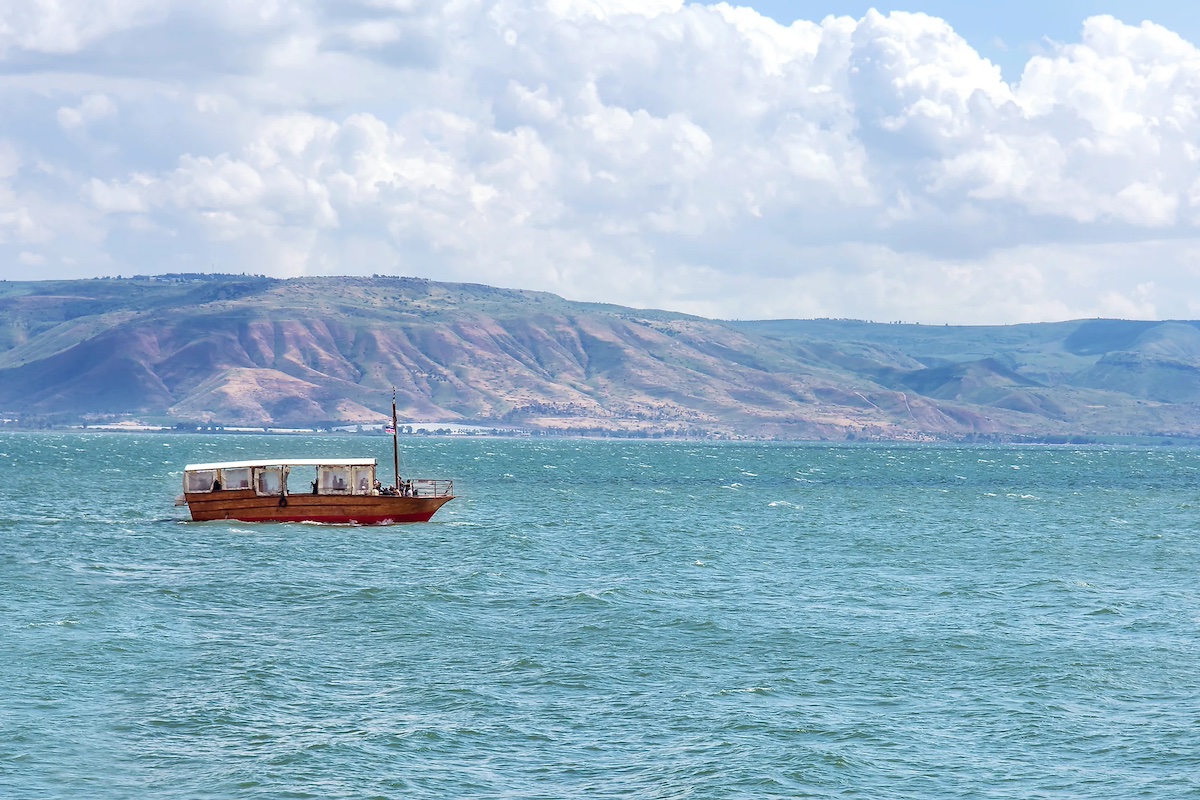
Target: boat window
[(269, 481), (363, 477), (200, 481), (235, 478), (335, 480)]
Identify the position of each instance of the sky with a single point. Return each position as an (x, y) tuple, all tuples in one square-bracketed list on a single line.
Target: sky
[(934, 162)]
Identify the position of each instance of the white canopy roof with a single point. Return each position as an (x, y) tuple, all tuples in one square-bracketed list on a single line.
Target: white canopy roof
[(286, 462)]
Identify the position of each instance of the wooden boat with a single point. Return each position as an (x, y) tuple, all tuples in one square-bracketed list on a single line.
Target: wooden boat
[(341, 490), (336, 490)]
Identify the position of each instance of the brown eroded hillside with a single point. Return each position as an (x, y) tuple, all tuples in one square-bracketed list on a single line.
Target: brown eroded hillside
[(255, 351)]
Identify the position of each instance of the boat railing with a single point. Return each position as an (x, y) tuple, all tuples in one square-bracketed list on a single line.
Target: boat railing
[(432, 487)]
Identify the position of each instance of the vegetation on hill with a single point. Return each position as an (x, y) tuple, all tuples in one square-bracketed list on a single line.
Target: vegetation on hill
[(248, 350)]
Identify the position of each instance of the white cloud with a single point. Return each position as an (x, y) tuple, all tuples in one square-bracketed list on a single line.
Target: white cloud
[(94, 107), (702, 158), (66, 26), (603, 9)]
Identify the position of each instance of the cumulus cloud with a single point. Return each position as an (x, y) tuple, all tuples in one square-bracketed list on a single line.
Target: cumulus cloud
[(699, 158)]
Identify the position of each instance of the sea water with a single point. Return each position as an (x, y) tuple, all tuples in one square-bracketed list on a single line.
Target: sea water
[(606, 619)]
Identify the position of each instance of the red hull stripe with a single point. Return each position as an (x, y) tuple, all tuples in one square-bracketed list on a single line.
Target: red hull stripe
[(358, 520)]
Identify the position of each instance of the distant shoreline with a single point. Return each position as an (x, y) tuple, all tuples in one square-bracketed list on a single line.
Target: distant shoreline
[(443, 433)]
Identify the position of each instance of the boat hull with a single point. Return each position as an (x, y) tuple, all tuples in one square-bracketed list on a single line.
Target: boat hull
[(246, 506)]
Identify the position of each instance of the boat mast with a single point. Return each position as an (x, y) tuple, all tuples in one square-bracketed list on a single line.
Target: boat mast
[(395, 442)]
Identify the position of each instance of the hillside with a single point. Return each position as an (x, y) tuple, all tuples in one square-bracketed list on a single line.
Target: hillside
[(253, 351)]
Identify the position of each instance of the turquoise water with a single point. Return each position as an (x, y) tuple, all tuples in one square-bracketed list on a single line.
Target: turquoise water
[(607, 619)]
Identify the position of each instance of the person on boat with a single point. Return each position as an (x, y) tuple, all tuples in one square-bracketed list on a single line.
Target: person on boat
[(377, 488), (216, 484)]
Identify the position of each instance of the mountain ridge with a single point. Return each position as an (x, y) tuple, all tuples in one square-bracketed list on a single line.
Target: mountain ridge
[(249, 350)]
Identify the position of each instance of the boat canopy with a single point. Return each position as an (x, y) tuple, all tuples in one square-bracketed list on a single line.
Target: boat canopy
[(285, 462), (269, 477)]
